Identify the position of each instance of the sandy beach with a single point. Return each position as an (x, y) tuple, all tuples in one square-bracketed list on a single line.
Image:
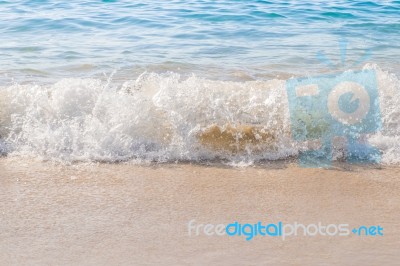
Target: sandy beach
[(125, 214)]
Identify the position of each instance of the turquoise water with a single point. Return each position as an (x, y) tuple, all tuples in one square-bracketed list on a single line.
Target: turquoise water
[(157, 80), (256, 37)]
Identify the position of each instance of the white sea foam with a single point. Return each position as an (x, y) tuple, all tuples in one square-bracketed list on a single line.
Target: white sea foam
[(159, 117)]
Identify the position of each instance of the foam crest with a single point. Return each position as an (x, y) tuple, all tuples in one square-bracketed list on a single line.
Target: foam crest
[(164, 118)]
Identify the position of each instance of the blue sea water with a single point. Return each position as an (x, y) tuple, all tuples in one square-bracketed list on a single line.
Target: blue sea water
[(258, 37), (183, 80)]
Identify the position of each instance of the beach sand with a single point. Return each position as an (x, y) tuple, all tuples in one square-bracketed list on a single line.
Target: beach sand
[(126, 214)]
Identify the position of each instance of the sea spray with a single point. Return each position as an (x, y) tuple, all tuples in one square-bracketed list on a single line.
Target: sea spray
[(166, 117)]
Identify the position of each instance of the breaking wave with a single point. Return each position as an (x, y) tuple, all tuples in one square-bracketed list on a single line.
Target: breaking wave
[(167, 118)]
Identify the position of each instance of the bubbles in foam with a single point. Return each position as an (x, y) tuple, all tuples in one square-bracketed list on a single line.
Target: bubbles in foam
[(164, 117), (388, 140)]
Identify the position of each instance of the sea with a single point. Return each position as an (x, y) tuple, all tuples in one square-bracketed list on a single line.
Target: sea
[(189, 81)]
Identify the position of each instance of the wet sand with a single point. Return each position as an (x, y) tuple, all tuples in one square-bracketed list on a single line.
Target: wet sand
[(125, 214)]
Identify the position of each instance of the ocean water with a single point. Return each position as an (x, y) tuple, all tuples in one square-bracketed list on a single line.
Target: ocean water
[(182, 80)]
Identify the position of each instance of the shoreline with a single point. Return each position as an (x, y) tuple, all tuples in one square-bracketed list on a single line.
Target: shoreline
[(104, 214)]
